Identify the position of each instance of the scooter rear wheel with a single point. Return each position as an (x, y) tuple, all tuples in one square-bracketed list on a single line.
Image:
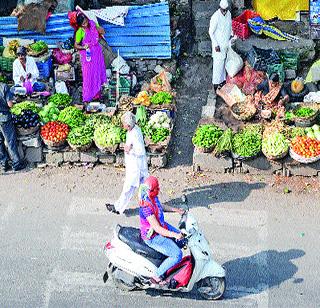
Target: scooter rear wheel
[(212, 288), (123, 285)]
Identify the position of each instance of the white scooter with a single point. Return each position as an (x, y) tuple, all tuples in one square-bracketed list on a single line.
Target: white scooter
[(132, 263)]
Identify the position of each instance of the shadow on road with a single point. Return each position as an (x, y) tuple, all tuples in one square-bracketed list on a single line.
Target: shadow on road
[(223, 192), (260, 272)]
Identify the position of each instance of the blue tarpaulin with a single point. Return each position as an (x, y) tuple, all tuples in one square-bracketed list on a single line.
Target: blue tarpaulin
[(146, 33)]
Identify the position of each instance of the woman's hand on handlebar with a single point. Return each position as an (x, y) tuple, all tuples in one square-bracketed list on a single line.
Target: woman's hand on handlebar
[(178, 236)]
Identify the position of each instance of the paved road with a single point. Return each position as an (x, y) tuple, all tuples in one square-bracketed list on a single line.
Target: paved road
[(53, 226)]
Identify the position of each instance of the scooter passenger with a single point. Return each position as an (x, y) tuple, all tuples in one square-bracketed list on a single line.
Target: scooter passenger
[(155, 232)]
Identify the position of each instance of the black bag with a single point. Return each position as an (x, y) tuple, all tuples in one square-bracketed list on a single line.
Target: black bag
[(108, 54)]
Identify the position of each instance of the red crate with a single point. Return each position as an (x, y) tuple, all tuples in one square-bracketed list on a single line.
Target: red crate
[(240, 24)]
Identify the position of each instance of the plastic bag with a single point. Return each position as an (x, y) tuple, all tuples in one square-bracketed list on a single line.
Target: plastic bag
[(234, 63), (120, 64), (61, 87), (160, 83), (28, 86), (60, 57)]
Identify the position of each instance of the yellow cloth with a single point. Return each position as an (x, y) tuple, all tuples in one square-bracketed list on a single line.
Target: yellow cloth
[(284, 9)]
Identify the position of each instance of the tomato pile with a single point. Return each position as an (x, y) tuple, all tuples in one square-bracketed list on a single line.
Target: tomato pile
[(306, 147), (54, 131)]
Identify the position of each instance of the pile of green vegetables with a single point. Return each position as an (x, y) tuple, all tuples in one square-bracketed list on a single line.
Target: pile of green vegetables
[(275, 144), (81, 135), (17, 109), (207, 136), (161, 98), (304, 112), (107, 135), (156, 135), (39, 46), (95, 120), (246, 143), (49, 113), (296, 132), (72, 116), (224, 143), (141, 116), (60, 99)]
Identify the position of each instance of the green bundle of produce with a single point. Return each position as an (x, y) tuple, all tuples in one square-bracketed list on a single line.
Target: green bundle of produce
[(123, 135), (60, 100), (107, 135), (18, 108), (157, 135), (304, 112), (49, 113), (207, 136), (275, 144), (72, 116), (246, 144), (161, 98), (296, 132), (81, 135), (141, 116), (254, 128), (39, 46), (94, 120), (225, 142)]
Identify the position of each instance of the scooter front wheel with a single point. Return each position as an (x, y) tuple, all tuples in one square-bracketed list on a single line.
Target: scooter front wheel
[(212, 288)]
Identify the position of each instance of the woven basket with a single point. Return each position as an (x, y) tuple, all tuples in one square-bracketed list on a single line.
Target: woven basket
[(35, 54), (277, 157), (243, 117), (54, 144), (27, 131), (109, 149), (159, 147), (306, 121), (80, 148), (302, 159)]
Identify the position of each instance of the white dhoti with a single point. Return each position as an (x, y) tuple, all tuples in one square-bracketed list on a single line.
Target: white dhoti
[(219, 74)]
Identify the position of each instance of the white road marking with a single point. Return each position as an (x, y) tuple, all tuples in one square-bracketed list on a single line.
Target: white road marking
[(83, 241), (6, 215)]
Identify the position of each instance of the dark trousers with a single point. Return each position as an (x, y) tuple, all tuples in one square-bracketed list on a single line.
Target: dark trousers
[(8, 134)]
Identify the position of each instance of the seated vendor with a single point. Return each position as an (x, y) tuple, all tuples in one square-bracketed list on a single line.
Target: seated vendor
[(25, 68), (271, 95)]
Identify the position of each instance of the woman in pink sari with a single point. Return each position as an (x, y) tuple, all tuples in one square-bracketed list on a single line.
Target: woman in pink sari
[(92, 60)]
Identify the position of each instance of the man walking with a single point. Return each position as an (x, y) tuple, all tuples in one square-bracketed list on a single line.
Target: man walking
[(220, 32), (8, 133), (135, 162)]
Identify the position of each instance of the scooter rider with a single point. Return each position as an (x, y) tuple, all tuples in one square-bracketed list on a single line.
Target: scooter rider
[(155, 232)]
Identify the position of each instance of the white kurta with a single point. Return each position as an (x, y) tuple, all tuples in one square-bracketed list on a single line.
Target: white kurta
[(136, 167), (18, 71), (220, 31)]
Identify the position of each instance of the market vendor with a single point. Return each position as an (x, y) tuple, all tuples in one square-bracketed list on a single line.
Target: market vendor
[(220, 32), (25, 69), (271, 95), (8, 133), (92, 59)]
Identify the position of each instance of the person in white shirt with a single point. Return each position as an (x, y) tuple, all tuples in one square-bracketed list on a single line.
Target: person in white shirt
[(220, 31), (25, 68), (135, 163)]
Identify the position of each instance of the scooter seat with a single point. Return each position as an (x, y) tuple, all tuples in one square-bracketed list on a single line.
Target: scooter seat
[(131, 236)]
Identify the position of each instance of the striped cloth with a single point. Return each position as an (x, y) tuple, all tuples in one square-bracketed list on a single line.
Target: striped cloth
[(259, 26)]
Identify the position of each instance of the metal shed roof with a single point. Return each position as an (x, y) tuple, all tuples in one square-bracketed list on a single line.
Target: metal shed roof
[(146, 33)]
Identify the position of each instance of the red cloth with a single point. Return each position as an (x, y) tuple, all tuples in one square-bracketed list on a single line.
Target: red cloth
[(73, 20)]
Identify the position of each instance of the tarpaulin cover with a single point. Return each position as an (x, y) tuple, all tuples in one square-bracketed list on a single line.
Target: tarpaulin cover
[(146, 33), (284, 9)]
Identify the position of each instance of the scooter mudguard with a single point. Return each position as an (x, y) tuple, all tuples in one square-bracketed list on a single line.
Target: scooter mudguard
[(213, 269)]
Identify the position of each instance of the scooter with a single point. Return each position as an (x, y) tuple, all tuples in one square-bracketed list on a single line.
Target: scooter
[(132, 263)]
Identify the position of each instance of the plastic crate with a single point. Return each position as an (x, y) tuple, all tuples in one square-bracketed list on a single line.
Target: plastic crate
[(276, 68), (44, 68), (290, 60), (124, 88), (240, 24), (6, 64)]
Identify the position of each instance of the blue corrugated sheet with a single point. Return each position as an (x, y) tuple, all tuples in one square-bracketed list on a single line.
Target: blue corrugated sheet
[(146, 33)]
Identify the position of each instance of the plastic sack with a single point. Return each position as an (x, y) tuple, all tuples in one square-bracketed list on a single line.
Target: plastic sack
[(61, 87), (28, 86), (234, 63), (120, 64), (160, 82), (60, 57)]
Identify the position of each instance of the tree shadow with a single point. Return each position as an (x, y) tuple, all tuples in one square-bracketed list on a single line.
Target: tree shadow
[(203, 196), (260, 272)]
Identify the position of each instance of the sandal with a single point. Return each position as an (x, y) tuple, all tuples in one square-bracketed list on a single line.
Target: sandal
[(111, 208)]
